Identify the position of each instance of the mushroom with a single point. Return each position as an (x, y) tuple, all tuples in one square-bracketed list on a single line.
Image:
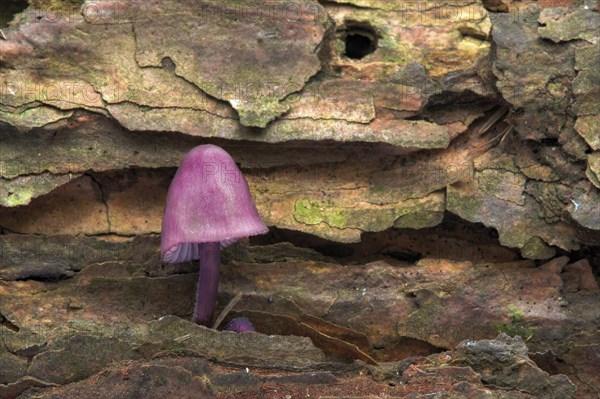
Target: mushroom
[(239, 325), (208, 207)]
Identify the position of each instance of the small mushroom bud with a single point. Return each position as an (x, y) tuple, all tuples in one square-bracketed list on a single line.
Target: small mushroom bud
[(240, 325)]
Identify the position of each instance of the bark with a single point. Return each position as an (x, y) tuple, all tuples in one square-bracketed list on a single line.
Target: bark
[(463, 136)]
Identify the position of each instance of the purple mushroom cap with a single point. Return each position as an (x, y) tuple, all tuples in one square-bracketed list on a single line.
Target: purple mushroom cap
[(208, 201), (208, 207)]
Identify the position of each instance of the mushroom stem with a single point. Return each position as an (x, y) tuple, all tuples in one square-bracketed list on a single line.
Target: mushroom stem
[(208, 282)]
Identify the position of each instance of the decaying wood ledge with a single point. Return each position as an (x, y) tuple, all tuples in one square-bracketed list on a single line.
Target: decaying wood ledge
[(389, 130), (490, 116)]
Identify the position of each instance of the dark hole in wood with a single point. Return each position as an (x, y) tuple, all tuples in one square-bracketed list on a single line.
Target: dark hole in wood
[(9, 9), (360, 40)]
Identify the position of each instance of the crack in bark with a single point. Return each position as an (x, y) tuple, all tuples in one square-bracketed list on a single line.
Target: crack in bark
[(334, 3), (41, 173), (5, 322), (157, 107)]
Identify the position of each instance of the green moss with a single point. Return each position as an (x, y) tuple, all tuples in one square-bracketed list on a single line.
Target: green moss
[(415, 214), (313, 212), (367, 219), (464, 206), (261, 112), (515, 313), (307, 211), (515, 326), (22, 197), (336, 219), (392, 51)]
